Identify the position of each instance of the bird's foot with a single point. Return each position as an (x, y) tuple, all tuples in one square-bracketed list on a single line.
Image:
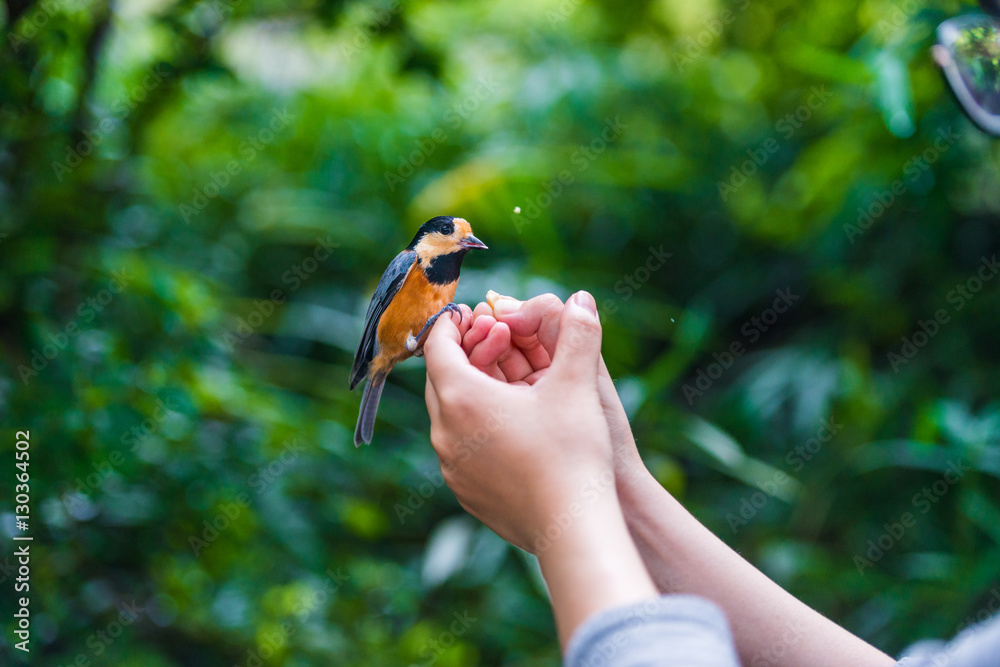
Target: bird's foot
[(450, 308), (414, 344)]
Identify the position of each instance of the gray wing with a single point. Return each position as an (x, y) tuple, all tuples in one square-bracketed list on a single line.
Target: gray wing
[(387, 287)]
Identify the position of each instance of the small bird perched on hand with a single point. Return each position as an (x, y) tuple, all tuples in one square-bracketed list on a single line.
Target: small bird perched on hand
[(416, 289)]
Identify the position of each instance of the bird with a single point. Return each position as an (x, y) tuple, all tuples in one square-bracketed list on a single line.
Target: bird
[(416, 289)]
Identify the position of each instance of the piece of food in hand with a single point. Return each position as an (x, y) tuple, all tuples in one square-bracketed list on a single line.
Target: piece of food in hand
[(492, 298), (414, 291)]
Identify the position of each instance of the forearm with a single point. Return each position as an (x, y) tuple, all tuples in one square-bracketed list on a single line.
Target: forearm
[(770, 626), (591, 566)]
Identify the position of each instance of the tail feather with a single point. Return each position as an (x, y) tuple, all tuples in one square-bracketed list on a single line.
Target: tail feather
[(369, 406)]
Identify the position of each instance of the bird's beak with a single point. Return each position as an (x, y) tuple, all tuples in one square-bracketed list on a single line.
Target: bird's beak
[(471, 241)]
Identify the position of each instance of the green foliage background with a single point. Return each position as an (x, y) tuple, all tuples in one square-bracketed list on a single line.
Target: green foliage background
[(353, 123)]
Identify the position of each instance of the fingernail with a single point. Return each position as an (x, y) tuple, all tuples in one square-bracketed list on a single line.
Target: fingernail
[(586, 301), (506, 306)]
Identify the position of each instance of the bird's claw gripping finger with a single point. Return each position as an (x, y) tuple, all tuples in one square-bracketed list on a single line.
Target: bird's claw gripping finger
[(413, 342), (451, 307)]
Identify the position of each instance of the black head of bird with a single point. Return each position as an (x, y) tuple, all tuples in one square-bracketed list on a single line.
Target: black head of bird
[(416, 289)]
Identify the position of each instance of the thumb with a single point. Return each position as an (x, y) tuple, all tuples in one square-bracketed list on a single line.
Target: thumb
[(578, 348)]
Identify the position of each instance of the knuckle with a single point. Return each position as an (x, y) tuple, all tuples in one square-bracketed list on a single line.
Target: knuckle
[(443, 444), (463, 403), (588, 327), (581, 333), (548, 302), (439, 437), (454, 398)]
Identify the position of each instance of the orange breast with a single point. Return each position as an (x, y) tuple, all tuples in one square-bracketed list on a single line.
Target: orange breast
[(414, 304)]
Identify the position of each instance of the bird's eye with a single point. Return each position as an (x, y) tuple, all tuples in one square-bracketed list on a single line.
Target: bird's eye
[(447, 229)]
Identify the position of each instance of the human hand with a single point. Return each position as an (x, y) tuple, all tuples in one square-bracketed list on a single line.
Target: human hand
[(514, 341), (532, 457), (518, 453)]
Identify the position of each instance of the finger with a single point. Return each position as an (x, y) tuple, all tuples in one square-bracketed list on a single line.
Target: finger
[(578, 349), (446, 361), (480, 329), (482, 308), (536, 354), (466, 319), (535, 377), (488, 352), (537, 317), (514, 365)]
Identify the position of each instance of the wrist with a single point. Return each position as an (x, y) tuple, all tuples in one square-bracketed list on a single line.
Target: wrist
[(581, 528), (575, 511), (593, 565)]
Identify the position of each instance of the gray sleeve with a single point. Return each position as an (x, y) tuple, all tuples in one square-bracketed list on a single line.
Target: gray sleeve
[(667, 630), (979, 646)]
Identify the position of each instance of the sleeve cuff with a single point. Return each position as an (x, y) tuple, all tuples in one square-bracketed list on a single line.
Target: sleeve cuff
[(670, 629)]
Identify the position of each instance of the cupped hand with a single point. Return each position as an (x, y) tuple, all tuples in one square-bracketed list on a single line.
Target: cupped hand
[(514, 341), (524, 442), (518, 426), (513, 358)]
